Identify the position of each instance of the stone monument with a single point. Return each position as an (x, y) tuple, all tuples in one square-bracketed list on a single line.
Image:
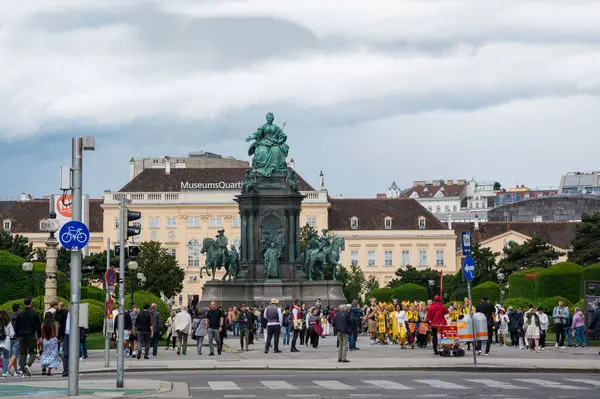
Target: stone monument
[(270, 264)]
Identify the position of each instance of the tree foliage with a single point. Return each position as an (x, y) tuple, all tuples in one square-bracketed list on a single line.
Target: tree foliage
[(372, 282), (586, 243), (486, 268), (63, 260), (306, 232), (16, 244), (497, 186), (161, 269), (535, 252), (353, 282), (94, 265), (411, 274)]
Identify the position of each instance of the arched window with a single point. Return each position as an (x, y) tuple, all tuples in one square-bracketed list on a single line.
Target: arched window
[(454, 208), (193, 252), (438, 209), (354, 223)]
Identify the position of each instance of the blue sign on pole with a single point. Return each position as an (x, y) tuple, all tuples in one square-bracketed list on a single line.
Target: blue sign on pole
[(469, 268), (466, 243), (74, 235)]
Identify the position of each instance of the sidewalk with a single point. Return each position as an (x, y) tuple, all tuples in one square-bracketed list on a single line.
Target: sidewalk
[(369, 357)]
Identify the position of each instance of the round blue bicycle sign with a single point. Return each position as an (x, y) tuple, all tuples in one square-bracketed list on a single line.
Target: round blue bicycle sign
[(74, 235)]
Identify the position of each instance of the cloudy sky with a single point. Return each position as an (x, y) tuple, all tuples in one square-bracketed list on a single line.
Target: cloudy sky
[(371, 92)]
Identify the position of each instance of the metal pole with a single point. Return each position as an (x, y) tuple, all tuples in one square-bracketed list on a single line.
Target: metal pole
[(106, 338), (76, 183), (472, 323), (121, 317)]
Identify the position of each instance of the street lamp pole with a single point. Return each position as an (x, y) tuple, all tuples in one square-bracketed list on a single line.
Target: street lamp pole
[(501, 280), (133, 266)]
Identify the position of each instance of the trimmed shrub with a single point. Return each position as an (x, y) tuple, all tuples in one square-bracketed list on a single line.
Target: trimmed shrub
[(142, 297), (94, 302), (96, 318), (522, 284), (591, 272), (93, 293), (381, 294), (35, 305), (13, 281), (411, 292), (562, 279), (489, 289), (517, 303), (580, 305), (550, 303)]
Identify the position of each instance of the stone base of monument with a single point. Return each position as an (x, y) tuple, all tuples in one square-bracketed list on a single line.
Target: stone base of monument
[(235, 293)]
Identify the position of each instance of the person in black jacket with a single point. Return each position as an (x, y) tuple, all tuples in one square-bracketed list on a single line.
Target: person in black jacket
[(143, 327), (342, 326), (515, 323), (488, 310), (29, 332)]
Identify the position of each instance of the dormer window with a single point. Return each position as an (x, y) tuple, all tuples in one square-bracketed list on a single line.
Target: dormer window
[(6, 224), (354, 223), (388, 223), (422, 223)]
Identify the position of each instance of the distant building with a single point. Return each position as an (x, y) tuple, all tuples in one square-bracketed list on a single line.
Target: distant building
[(438, 196), (521, 193), (481, 195), (546, 209), (194, 160), (580, 183)]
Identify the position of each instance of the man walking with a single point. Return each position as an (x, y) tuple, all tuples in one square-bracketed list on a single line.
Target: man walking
[(214, 326), (29, 332), (274, 319), (156, 327), (143, 328), (296, 323), (182, 326), (244, 320), (354, 320), (488, 310), (341, 325)]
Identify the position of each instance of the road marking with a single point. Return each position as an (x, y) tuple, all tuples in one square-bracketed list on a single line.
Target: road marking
[(277, 385), (365, 395), (591, 382), (441, 384), (239, 396), (302, 396), (385, 384), (496, 384), (550, 384), (331, 384), (223, 385)]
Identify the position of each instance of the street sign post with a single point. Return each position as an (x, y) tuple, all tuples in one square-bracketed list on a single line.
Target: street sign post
[(466, 243), (110, 277), (74, 235), (469, 273), (469, 268)]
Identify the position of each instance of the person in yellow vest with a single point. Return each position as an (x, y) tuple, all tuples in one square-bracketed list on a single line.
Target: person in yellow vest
[(390, 322), (413, 318), (381, 323), (422, 326)]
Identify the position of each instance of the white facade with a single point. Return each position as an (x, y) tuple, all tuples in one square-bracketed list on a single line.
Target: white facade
[(480, 195)]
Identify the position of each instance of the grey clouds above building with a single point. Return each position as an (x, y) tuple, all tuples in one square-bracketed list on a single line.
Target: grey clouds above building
[(391, 90)]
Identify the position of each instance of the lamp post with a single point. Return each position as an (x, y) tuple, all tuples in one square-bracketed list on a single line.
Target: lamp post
[(431, 284), (28, 268), (51, 226), (133, 266), (501, 280)]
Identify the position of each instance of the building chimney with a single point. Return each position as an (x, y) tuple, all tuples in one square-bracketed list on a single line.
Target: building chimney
[(292, 164), (476, 223), (131, 169), (167, 165), (449, 221), (322, 181), (23, 197)]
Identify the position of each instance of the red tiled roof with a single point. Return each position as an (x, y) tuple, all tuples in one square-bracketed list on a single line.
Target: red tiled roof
[(371, 213), (26, 215), (156, 180), (452, 190), (558, 234)]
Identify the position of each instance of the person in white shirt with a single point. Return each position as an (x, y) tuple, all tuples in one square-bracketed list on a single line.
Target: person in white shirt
[(544, 323), (182, 325)]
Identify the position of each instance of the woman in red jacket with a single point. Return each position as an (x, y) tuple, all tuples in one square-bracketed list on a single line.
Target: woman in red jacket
[(436, 317)]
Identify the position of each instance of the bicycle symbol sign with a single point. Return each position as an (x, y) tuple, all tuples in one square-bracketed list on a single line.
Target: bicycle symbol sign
[(74, 235)]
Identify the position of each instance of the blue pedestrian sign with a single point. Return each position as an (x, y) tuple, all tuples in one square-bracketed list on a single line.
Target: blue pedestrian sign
[(469, 268), (466, 243), (74, 235)]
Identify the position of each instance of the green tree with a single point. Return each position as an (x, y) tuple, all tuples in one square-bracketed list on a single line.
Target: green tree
[(535, 252), (306, 232), (16, 244), (486, 268), (353, 282), (94, 265), (497, 186), (40, 255), (421, 277), (161, 269), (372, 282), (63, 260), (586, 243)]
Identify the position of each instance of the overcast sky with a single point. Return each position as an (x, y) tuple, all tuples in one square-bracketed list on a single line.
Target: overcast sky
[(371, 91)]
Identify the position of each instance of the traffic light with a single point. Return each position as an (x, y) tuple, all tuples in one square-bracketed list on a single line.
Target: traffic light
[(134, 251), (131, 217), (118, 251)]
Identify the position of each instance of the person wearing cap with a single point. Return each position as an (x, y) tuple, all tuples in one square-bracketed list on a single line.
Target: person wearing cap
[(274, 319), (436, 315)]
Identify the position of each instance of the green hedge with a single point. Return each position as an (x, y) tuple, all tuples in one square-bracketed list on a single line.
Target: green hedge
[(13, 280), (580, 305), (142, 297), (96, 318), (550, 303), (591, 272), (381, 294), (94, 302), (489, 289), (517, 303), (562, 279), (522, 284), (410, 292), (87, 292), (35, 305)]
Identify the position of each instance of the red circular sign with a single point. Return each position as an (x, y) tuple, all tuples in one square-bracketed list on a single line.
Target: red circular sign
[(110, 277)]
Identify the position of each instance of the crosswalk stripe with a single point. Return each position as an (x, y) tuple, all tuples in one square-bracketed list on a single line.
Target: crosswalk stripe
[(591, 382), (385, 384), (496, 384), (550, 384), (223, 385), (441, 384), (331, 384), (277, 385)]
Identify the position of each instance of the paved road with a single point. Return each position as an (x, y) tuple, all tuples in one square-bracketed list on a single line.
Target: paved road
[(355, 385)]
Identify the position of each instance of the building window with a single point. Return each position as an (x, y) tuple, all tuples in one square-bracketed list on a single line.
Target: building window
[(447, 208), (154, 236), (118, 239), (116, 223), (422, 224), (215, 222), (236, 222), (354, 223), (153, 223), (371, 258), (438, 209), (477, 205), (6, 225), (454, 208), (353, 258), (388, 223), (439, 258), (387, 258), (172, 236), (430, 208), (171, 222), (311, 221), (405, 257), (172, 252), (422, 257), (470, 205), (193, 222), (193, 252)]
